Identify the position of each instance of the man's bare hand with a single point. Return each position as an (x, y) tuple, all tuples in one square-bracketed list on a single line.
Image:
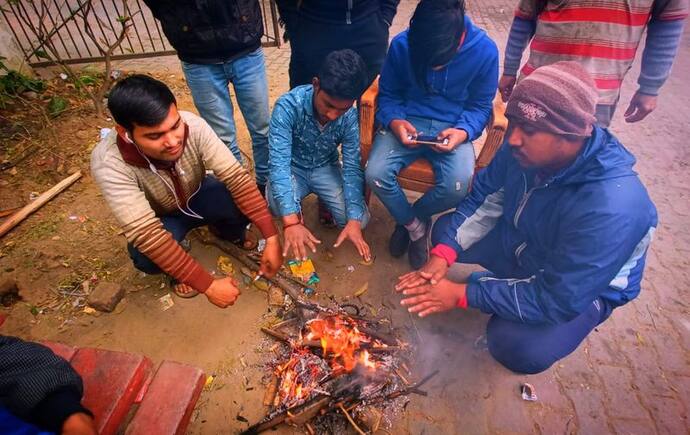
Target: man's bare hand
[(223, 292), (353, 232), (297, 239), (432, 272), (405, 132), (505, 86), (429, 298), (452, 138), (79, 424), (272, 257), (640, 106)]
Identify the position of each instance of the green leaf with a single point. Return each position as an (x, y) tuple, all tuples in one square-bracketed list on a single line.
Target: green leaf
[(41, 54), (56, 106)]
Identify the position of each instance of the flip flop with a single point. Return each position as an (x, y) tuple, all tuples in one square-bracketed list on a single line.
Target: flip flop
[(173, 282)]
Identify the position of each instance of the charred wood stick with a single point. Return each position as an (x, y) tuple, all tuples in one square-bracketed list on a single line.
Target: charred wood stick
[(286, 285), (385, 338), (312, 406), (317, 344), (271, 391), (414, 388)]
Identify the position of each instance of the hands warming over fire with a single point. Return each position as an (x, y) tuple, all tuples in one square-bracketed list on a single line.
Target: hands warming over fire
[(427, 291), (353, 232)]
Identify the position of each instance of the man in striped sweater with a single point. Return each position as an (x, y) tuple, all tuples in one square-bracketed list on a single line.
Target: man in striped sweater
[(603, 36), (152, 171)]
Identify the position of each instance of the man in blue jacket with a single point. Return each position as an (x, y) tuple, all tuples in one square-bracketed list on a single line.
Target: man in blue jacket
[(438, 81), (307, 126), (560, 220)]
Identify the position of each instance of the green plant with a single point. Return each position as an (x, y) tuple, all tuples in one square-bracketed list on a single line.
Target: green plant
[(13, 83)]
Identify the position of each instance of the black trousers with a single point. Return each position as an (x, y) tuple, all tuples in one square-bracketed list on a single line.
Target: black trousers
[(311, 41)]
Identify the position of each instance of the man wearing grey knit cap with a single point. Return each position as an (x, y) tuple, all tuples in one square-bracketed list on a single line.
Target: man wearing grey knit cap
[(559, 219)]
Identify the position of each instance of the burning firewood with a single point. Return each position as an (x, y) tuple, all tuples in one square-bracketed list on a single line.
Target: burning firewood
[(337, 366)]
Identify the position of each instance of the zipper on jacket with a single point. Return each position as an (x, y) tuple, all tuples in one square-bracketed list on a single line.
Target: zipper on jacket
[(525, 198), (518, 251)]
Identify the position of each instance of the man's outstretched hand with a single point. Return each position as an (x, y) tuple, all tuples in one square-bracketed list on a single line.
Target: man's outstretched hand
[(505, 86), (433, 298), (272, 257), (432, 272), (353, 232), (298, 238), (223, 292)]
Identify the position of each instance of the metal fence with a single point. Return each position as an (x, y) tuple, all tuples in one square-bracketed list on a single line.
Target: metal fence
[(50, 29)]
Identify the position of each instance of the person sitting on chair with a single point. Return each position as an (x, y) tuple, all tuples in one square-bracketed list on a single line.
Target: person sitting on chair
[(438, 81), (559, 219), (307, 125), (152, 170)]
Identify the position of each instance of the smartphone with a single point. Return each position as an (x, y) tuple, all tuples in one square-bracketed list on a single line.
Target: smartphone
[(430, 140)]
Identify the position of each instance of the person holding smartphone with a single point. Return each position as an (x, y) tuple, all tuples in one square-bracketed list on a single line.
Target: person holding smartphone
[(436, 92)]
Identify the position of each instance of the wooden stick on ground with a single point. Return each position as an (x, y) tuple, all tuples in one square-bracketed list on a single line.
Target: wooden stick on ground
[(352, 422), (42, 199)]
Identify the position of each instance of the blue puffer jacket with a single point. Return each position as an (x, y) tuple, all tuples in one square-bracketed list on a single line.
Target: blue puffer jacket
[(578, 236)]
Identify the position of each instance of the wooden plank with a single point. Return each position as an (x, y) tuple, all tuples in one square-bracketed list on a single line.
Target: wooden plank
[(42, 199), (169, 401), (112, 381)]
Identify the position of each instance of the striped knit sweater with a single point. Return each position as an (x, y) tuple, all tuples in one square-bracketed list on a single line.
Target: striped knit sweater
[(137, 196), (603, 35)]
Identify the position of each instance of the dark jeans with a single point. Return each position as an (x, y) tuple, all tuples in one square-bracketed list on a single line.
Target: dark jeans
[(311, 41), (215, 204), (520, 347)]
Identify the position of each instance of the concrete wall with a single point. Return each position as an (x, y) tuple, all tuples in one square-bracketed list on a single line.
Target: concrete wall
[(10, 49)]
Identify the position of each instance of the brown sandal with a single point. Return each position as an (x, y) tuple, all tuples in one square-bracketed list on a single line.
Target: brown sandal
[(187, 295)]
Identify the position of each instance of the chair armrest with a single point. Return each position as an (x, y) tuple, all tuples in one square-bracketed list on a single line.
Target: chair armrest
[(367, 115), (495, 132)]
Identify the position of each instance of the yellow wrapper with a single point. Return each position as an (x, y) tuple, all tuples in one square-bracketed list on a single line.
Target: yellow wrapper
[(302, 269)]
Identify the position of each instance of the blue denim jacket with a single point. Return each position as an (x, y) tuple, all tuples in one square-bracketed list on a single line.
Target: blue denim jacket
[(296, 138)]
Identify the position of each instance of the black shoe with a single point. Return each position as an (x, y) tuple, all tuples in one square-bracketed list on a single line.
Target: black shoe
[(400, 240), (418, 254)]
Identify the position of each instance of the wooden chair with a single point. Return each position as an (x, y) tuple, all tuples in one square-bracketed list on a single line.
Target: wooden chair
[(419, 176)]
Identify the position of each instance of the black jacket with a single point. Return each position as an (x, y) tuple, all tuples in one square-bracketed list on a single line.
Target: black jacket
[(36, 385), (210, 31), (337, 11)]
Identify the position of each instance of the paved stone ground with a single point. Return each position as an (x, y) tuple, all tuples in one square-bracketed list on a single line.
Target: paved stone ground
[(632, 375)]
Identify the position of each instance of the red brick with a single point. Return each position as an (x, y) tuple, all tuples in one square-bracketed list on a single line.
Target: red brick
[(575, 371), (169, 400), (648, 376), (622, 398), (604, 350), (59, 349), (589, 408), (111, 383), (633, 427), (668, 414), (672, 356)]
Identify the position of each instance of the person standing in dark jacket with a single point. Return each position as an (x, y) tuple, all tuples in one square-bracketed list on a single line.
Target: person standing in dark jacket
[(318, 27), (559, 219), (39, 391), (218, 43)]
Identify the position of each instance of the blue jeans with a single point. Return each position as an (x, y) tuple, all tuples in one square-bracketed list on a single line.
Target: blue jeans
[(215, 204), (452, 171), (209, 87), (520, 347), (327, 183)]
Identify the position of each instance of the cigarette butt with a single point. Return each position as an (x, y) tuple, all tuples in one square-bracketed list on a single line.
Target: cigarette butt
[(256, 278)]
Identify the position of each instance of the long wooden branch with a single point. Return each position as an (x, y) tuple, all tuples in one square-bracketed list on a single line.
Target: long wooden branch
[(37, 203)]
